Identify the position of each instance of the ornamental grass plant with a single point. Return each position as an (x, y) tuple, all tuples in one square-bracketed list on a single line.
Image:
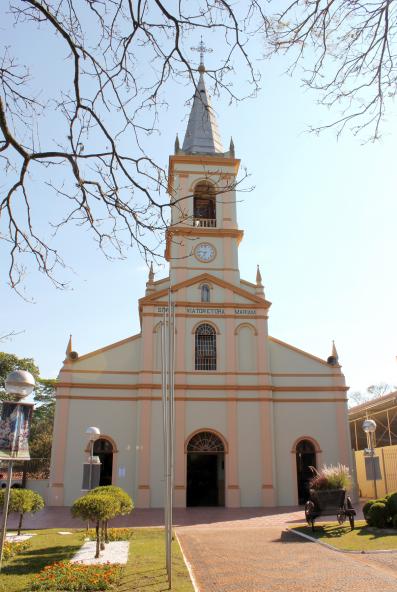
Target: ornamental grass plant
[(331, 477)]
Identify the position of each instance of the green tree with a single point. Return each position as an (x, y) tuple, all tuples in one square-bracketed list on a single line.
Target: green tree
[(40, 440), (22, 501), (126, 504), (11, 362), (98, 508)]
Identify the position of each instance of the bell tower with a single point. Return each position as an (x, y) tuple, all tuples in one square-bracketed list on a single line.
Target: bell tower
[(203, 235)]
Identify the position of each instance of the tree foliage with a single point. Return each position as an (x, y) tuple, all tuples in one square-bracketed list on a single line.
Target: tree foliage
[(98, 508), (85, 134), (40, 440), (348, 51), (21, 502)]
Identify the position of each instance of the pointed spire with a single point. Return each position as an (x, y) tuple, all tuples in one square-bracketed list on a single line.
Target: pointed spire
[(259, 286), (202, 134), (69, 347), (177, 146), (333, 359), (149, 284), (231, 147)]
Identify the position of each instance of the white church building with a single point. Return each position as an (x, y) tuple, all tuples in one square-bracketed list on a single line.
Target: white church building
[(252, 413)]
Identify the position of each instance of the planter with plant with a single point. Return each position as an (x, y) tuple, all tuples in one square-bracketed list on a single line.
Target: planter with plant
[(328, 494)]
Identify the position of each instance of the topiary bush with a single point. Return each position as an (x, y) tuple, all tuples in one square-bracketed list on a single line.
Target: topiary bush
[(125, 505), (367, 506), (378, 515), (392, 504), (97, 508), (21, 502), (394, 521)]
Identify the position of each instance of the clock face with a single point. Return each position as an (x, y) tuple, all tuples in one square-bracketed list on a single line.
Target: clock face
[(205, 252)]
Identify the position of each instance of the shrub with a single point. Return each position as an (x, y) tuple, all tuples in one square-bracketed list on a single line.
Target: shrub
[(394, 521), (331, 477), (392, 504), (114, 534), (98, 508), (77, 577), (367, 506), (11, 549), (22, 501), (378, 515), (126, 504)]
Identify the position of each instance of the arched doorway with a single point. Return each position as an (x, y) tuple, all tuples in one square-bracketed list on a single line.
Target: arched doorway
[(305, 459), (104, 449), (205, 470)]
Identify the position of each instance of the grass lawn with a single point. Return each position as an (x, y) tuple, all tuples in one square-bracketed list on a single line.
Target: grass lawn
[(362, 538), (145, 571)]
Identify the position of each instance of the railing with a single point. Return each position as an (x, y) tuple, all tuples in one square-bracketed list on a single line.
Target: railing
[(35, 468), (204, 222)]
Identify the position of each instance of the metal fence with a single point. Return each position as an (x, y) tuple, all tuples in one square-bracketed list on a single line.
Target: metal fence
[(35, 468)]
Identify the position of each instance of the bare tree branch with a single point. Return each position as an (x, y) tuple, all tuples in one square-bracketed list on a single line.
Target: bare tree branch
[(120, 59), (351, 48)]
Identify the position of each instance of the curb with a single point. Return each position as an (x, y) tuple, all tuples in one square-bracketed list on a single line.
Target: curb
[(345, 551), (188, 565)]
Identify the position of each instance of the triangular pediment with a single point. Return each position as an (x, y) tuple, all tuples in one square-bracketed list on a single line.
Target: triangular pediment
[(199, 279)]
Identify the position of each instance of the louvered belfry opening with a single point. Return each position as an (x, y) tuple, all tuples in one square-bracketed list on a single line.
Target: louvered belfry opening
[(204, 205), (205, 347)]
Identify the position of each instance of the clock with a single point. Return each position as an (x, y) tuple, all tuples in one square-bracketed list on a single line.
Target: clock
[(205, 252)]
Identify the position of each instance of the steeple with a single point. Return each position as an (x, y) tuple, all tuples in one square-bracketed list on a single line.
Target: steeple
[(202, 134), (333, 359), (259, 286), (149, 283)]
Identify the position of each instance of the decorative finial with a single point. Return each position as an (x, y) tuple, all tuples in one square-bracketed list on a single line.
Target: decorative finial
[(231, 147), (149, 284), (258, 276), (333, 359), (202, 49), (259, 286), (69, 347), (177, 147)]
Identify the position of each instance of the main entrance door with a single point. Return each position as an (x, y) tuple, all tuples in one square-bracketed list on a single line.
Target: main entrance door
[(205, 470)]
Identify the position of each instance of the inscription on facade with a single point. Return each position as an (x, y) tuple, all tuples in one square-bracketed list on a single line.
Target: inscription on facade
[(211, 311)]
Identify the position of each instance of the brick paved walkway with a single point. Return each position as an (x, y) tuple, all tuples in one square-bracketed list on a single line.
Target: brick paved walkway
[(270, 559)]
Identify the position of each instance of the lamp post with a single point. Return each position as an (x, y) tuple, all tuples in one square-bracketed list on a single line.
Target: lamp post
[(93, 434), (369, 427), (15, 424)]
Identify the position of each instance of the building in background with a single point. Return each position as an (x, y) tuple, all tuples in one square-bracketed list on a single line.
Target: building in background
[(252, 413), (383, 411)]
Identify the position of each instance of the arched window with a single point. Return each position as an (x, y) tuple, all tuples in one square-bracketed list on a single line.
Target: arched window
[(104, 449), (204, 205), (305, 460), (205, 344), (205, 293)]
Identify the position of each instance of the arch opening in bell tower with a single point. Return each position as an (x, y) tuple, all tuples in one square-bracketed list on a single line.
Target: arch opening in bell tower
[(204, 205)]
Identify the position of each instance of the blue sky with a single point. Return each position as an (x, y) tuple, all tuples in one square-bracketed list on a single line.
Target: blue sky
[(320, 222)]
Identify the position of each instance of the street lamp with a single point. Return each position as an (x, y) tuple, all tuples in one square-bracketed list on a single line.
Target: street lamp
[(369, 427), (15, 424), (93, 434)]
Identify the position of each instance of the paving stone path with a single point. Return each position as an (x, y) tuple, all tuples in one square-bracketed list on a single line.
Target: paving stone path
[(271, 559)]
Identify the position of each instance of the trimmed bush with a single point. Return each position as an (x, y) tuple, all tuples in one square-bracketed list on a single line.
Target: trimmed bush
[(392, 504), (98, 508), (22, 501), (367, 506), (378, 515), (394, 521), (125, 502)]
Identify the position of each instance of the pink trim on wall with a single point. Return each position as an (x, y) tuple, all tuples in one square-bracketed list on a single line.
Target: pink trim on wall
[(61, 421), (319, 461), (268, 492), (204, 429), (232, 481), (180, 460), (143, 456)]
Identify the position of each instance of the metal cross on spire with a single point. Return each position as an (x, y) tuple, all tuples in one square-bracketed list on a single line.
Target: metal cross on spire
[(202, 49)]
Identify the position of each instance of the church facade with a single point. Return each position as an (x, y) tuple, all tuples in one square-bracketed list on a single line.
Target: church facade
[(252, 413)]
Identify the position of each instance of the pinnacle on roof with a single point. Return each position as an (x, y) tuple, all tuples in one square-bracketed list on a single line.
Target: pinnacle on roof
[(202, 134)]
